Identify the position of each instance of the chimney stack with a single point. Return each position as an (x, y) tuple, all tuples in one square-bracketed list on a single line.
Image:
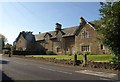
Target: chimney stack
[(58, 26), (82, 21)]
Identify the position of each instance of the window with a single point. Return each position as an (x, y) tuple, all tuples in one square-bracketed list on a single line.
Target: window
[(101, 47), (85, 48), (58, 49), (85, 34)]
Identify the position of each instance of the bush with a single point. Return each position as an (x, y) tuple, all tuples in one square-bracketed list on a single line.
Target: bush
[(116, 63), (6, 51), (28, 52), (50, 53)]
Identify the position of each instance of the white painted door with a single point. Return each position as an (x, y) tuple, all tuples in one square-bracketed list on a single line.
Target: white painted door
[(72, 50)]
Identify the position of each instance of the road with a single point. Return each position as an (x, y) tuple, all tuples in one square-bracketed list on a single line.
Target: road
[(24, 69)]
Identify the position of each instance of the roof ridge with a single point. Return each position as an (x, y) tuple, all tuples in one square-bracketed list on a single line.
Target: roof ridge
[(70, 31), (70, 27), (54, 31)]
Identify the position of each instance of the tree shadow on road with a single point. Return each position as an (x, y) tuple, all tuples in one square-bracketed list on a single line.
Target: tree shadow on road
[(4, 62), (4, 77)]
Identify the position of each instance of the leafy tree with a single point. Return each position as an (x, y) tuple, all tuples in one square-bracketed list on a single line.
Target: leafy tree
[(4, 39), (14, 47), (8, 46), (110, 28)]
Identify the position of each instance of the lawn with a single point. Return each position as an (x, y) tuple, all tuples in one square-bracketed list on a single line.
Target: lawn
[(106, 58)]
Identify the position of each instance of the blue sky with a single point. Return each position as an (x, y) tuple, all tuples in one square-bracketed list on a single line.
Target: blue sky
[(42, 16)]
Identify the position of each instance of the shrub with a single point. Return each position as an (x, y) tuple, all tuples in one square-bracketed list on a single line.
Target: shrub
[(5, 51), (116, 63), (28, 52), (50, 53)]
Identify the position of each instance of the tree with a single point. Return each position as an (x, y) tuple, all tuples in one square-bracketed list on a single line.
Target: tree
[(8, 46), (4, 39), (110, 28)]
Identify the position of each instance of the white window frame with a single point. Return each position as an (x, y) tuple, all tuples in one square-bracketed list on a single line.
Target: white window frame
[(85, 48)]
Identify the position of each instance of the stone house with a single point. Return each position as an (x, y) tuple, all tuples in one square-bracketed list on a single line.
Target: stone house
[(76, 39), (24, 41)]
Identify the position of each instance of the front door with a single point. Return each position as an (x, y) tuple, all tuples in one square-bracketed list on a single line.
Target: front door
[(72, 50)]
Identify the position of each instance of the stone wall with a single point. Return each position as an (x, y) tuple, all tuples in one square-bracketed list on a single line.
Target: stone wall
[(103, 65)]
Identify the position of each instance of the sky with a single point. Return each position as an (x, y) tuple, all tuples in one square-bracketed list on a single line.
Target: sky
[(42, 16)]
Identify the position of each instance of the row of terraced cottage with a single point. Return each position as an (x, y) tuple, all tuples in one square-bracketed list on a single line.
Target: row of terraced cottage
[(76, 39)]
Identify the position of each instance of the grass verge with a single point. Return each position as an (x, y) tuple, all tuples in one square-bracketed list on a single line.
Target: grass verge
[(102, 57)]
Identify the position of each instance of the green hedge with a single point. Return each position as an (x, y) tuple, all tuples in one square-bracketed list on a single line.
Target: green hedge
[(28, 52)]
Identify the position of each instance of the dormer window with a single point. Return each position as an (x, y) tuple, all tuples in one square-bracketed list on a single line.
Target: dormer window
[(85, 34)]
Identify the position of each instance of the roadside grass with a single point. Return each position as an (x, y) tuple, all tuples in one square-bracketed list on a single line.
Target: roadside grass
[(102, 57), (54, 56), (99, 57)]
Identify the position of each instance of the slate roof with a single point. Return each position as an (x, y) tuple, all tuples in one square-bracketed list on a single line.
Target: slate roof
[(39, 36), (70, 31), (67, 32), (21, 33), (24, 34)]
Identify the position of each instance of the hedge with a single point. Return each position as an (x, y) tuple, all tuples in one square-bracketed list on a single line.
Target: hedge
[(28, 52)]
